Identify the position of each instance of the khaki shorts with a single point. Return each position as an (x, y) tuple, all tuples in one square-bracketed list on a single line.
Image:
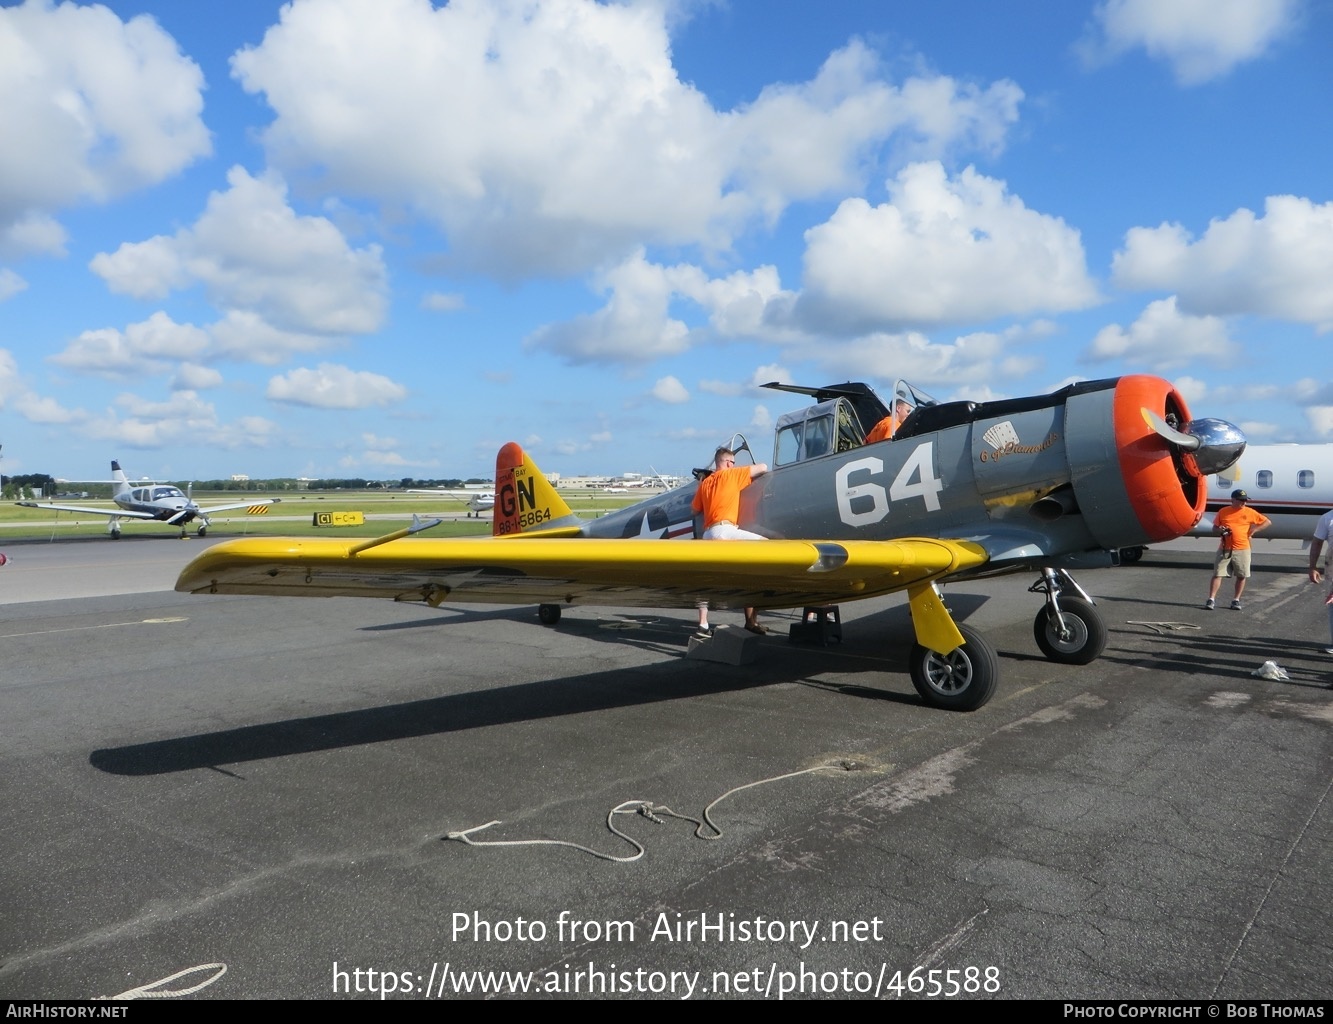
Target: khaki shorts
[(1232, 563)]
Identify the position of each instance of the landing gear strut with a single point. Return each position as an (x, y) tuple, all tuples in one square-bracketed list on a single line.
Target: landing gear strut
[(1068, 630)]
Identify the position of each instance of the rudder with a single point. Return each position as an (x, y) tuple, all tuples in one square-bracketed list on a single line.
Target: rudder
[(525, 501), (121, 483)]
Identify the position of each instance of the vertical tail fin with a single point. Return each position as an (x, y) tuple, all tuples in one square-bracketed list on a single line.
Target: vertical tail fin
[(525, 501), (120, 482)]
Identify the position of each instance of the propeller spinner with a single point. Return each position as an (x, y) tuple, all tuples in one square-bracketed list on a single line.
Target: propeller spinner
[(1206, 446)]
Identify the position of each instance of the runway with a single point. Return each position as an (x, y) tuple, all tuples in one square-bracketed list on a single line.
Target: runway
[(269, 784)]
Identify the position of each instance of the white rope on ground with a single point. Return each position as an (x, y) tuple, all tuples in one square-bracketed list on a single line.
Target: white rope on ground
[(653, 812), (147, 991), (1164, 628)]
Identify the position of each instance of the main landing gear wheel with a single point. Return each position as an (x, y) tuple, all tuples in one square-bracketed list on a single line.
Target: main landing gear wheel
[(548, 614), (1082, 639), (203, 531), (962, 680)]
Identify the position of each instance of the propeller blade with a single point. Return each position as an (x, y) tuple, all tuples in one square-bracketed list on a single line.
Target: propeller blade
[(1207, 446), (1188, 442)]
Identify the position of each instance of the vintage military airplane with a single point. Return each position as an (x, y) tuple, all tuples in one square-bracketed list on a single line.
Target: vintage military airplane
[(161, 503), (1046, 484)]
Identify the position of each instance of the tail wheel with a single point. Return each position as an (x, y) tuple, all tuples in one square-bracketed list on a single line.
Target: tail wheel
[(1082, 639), (548, 614), (962, 680)]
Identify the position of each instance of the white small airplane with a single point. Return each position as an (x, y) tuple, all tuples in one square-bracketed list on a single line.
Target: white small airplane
[(149, 500), (477, 501), (1292, 484)]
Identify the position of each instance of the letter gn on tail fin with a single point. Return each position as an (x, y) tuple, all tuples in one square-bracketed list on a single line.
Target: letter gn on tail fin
[(525, 501)]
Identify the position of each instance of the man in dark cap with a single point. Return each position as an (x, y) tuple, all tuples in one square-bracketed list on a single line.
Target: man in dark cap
[(1235, 525)]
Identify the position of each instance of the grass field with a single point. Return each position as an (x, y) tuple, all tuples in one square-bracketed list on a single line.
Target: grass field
[(293, 517)]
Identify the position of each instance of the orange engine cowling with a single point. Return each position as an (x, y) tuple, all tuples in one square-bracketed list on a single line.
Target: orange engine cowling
[(1132, 465)]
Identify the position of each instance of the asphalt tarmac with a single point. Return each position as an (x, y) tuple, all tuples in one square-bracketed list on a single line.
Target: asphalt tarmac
[(270, 784)]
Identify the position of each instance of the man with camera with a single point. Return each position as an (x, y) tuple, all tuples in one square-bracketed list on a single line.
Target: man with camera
[(1235, 525)]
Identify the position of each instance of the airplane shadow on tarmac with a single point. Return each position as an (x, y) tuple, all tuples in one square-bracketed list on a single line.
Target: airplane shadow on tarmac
[(864, 649)]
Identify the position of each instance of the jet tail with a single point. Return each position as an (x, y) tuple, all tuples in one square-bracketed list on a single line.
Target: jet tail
[(526, 502)]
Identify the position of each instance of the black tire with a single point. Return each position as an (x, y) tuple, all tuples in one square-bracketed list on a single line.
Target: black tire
[(1128, 556), (203, 531), (548, 614), (1085, 636), (962, 680)]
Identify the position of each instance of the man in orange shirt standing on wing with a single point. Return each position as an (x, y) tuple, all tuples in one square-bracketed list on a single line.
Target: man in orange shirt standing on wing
[(1235, 525), (719, 500)]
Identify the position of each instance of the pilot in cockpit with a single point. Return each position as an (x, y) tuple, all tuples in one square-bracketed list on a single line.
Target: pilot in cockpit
[(885, 428)]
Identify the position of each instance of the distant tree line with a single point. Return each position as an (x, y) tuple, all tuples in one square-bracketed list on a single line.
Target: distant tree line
[(46, 486), (357, 484), (450, 483), (28, 483)]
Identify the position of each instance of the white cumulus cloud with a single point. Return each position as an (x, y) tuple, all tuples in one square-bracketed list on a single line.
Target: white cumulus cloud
[(331, 386), (442, 302), (634, 326), (193, 377), (941, 251), (146, 347), (530, 131), (1200, 39), (93, 107), (975, 360), (671, 390), (255, 255), (1164, 338), (10, 284), (1275, 265), (138, 422)]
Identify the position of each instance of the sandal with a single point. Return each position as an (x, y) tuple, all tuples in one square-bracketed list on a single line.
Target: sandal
[(754, 627)]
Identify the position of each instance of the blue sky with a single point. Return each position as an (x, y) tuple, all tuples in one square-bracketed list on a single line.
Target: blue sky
[(381, 238)]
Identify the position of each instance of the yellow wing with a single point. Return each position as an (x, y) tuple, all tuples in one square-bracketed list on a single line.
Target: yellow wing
[(631, 573)]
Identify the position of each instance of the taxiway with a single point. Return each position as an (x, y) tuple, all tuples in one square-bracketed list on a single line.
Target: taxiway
[(270, 784)]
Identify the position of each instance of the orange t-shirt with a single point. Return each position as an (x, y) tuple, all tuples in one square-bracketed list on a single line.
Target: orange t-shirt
[(1241, 522), (885, 428), (719, 495)]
